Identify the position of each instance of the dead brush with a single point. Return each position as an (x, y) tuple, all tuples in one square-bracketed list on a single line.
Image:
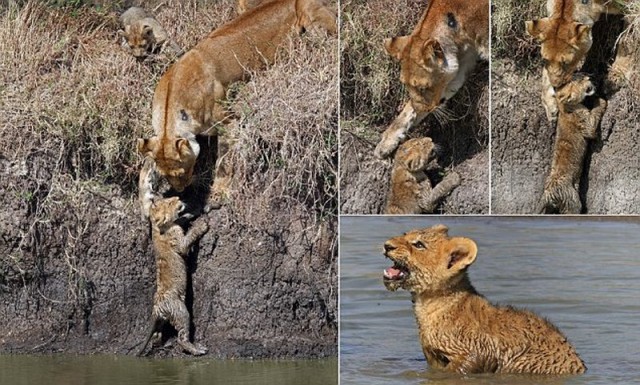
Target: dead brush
[(285, 142)]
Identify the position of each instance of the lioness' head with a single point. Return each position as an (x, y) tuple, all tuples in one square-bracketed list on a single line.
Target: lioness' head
[(430, 58), (165, 212), (140, 38), (574, 92), (428, 260), (174, 157), (415, 154), (564, 46)]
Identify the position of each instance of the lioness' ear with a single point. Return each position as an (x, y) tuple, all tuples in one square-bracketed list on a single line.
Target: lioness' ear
[(146, 146), (535, 28), (395, 46), (183, 147), (582, 33), (463, 253), (432, 49)]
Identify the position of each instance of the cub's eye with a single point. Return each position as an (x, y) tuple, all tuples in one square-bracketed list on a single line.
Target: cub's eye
[(183, 115), (585, 1), (419, 245), (451, 20)]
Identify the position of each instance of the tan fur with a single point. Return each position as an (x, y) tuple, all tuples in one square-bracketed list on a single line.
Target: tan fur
[(436, 59), (411, 191), (143, 34), (189, 99), (171, 246), (576, 124), (460, 331)]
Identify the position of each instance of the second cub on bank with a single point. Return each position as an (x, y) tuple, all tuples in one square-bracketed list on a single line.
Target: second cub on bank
[(460, 331), (576, 124)]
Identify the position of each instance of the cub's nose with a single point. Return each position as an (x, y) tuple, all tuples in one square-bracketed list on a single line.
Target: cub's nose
[(388, 247)]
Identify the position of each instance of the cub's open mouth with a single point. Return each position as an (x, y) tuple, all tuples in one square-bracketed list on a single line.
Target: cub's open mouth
[(397, 272)]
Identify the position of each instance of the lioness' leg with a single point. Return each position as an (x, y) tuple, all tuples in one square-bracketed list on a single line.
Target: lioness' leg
[(429, 198), (395, 133), (180, 321), (549, 97)]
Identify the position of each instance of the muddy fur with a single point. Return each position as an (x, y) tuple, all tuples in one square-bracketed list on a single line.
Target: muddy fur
[(171, 247), (576, 124), (411, 191), (460, 331)]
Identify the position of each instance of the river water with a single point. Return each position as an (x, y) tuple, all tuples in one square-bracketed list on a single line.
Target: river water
[(582, 274), (114, 370)]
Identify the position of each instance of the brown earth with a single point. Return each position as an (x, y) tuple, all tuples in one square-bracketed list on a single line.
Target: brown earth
[(77, 272), (522, 139)]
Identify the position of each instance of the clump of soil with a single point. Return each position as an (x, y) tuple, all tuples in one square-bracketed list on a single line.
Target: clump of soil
[(77, 273)]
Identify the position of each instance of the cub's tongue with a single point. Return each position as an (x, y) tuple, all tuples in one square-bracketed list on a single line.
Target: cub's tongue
[(392, 273)]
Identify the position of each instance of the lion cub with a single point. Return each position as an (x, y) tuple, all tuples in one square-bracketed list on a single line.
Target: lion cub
[(171, 246), (460, 331), (143, 34), (411, 191), (576, 124)]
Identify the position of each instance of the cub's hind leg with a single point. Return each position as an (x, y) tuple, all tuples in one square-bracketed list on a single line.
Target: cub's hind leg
[(180, 319)]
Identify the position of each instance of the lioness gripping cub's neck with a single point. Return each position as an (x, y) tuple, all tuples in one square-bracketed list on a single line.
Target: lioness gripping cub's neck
[(460, 331)]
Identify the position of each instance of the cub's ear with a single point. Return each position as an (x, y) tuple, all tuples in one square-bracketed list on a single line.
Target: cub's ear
[(463, 253), (535, 28), (147, 31), (442, 229), (395, 46), (147, 146), (183, 147)]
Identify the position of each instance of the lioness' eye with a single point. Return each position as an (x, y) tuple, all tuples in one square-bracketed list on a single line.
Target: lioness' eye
[(585, 1), (183, 115), (451, 20), (418, 245)]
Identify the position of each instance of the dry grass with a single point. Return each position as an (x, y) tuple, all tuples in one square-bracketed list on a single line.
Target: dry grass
[(508, 34), (72, 93), (370, 90)]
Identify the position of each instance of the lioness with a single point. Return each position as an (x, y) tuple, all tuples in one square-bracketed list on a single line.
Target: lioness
[(189, 99), (565, 37), (244, 5), (460, 331), (435, 60), (411, 191), (576, 124), (143, 34), (171, 246)]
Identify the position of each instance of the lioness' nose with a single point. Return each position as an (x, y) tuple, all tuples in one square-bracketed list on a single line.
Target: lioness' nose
[(388, 247)]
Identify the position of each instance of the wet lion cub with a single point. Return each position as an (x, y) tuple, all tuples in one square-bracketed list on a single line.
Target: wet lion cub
[(171, 246), (143, 34), (460, 331), (411, 191), (576, 124)]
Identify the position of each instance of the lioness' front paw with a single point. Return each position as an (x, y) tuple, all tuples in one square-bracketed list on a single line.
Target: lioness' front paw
[(388, 144)]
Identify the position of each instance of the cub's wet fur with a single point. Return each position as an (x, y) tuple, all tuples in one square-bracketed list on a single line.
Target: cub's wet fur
[(171, 246), (411, 191), (460, 331)]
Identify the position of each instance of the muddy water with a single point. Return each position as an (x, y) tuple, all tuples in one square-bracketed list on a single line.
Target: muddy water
[(582, 275), (110, 370)]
